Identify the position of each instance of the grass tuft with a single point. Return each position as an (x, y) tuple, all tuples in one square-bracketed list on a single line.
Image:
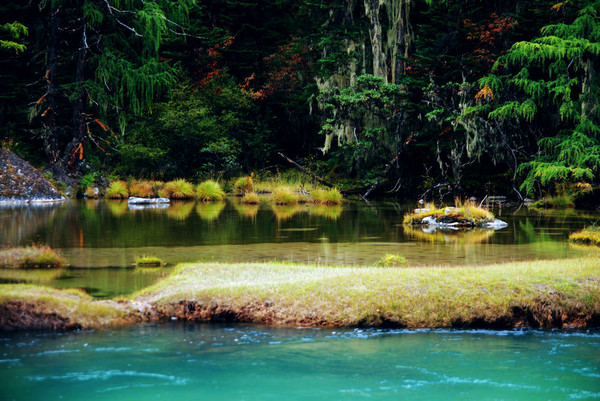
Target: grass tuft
[(30, 257), (209, 191), (141, 189), (329, 197), (391, 260), (250, 198), (243, 185), (149, 261), (117, 190), (284, 196), (177, 189)]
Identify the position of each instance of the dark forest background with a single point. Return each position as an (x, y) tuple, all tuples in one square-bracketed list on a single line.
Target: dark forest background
[(405, 96)]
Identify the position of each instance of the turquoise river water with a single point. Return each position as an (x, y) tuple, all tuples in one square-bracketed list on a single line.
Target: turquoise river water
[(237, 362)]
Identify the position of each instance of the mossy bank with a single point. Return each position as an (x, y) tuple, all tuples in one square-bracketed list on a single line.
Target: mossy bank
[(541, 294)]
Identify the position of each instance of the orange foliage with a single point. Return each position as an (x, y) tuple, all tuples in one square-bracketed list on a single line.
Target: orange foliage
[(484, 94)]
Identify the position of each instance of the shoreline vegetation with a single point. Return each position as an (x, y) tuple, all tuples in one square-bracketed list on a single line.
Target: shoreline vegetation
[(538, 294)]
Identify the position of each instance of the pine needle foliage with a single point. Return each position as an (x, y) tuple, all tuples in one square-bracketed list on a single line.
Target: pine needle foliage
[(556, 71)]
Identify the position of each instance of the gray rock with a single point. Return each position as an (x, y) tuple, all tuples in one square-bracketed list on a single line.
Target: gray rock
[(147, 201)]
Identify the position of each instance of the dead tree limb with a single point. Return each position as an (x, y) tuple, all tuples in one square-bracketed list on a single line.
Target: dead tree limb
[(381, 176), (305, 171)]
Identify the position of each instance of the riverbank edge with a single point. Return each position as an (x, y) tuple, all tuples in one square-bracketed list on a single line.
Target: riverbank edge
[(562, 294)]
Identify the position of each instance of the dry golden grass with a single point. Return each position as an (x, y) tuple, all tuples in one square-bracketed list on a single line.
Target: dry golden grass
[(589, 236)]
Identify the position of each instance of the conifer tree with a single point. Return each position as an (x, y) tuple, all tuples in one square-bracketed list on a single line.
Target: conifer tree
[(552, 81), (102, 61)]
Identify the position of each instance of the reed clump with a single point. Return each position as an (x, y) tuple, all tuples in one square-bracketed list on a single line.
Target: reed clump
[(31, 257), (209, 191)]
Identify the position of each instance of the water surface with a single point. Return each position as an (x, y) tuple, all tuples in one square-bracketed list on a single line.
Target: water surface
[(101, 239), (215, 362)]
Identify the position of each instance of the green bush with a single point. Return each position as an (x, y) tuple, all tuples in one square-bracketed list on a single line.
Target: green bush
[(209, 191)]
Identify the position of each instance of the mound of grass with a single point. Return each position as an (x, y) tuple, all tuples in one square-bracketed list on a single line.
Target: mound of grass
[(149, 261), (330, 197), (558, 293), (117, 190), (30, 307), (284, 196), (141, 189), (243, 185), (177, 189), (588, 236), (30, 257), (209, 191), (250, 198), (392, 260)]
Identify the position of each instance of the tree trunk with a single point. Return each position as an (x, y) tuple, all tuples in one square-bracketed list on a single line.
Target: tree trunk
[(74, 150), (49, 116)]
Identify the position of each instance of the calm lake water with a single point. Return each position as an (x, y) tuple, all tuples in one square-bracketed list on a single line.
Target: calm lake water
[(214, 362), (101, 239)]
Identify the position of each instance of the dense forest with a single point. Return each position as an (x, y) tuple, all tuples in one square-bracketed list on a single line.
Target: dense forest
[(403, 97)]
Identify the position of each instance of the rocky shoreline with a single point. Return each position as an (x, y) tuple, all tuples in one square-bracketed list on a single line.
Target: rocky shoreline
[(21, 183)]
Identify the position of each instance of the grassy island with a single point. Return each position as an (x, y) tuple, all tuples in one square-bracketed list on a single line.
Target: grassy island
[(588, 236), (539, 294), (465, 215)]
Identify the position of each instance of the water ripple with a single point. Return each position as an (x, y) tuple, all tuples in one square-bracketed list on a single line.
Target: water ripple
[(108, 374)]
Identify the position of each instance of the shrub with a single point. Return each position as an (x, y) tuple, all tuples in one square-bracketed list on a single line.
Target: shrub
[(327, 196), (36, 256), (149, 261), (141, 189), (243, 185), (392, 260), (178, 189), (209, 191), (117, 190), (284, 196), (250, 198)]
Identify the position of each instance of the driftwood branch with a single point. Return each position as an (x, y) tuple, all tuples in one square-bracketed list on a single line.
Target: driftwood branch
[(385, 172), (305, 171)]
